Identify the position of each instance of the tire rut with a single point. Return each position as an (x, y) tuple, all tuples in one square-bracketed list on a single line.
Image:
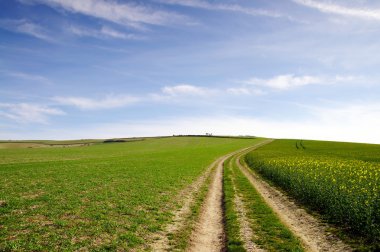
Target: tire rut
[(312, 232), (209, 232), (187, 196), (246, 232)]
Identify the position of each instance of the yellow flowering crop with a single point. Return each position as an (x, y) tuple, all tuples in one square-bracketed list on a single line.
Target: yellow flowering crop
[(340, 180)]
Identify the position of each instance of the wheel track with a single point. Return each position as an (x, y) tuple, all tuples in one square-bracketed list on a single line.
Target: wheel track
[(209, 231), (209, 234), (187, 197), (312, 232), (246, 232)]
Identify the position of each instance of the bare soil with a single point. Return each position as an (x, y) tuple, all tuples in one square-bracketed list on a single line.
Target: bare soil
[(209, 232), (312, 232), (186, 198), (246, 232)]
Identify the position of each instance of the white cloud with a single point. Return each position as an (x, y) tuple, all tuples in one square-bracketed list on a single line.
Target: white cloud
[(110, 101), (26, 27), (104, 32), (330, 7), (28, 113), (284, 82), (351, 121), (126, 13), (245, 91), (355, 122), (224, 7), (182, 93), (290, 81), (109, 32), (185, 89)]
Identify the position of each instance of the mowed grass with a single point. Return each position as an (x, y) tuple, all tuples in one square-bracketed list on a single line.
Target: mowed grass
[(268, 232), (339, 180), (98, 197)]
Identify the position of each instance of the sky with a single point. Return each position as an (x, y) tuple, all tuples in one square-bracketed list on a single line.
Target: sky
[(305, 69)]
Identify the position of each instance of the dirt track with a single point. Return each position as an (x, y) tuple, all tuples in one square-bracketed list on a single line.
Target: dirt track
[(187, 195), (246, 232), (312, 232), (209, 232)]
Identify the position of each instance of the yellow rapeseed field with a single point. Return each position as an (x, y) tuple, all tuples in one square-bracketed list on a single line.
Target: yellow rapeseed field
[(341, 182)]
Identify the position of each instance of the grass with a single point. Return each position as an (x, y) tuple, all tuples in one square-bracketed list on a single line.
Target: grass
[(98, 197), (341, 181), (234, 241), (268, 231), (179, 240)]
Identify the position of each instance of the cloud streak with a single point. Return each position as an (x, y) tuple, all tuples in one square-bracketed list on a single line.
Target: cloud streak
[(185, 92), (224, 7), (26, 27), (104, 33), (109, 102), (291, 81), (126, 13), (285, 82), (356, 122), (185, 89), (28, 113), (329, 7), (28, 77)]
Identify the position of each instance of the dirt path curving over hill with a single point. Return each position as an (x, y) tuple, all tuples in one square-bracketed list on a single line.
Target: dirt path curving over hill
[(209, 232), (311, 231), (186, 196)]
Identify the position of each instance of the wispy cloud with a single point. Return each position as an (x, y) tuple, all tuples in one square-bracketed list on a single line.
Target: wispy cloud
[(290, 81), (351, 121), (224, 7), (110, 101), (185, 89), (104, 33), (28, 77), (245, 90), (330, 7), (183, 92), (26, 27), (283, 82), (28, 113), (109, 32), (126, 13)]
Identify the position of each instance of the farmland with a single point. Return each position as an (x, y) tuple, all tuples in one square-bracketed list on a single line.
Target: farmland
[(265, 230), (102, 196), (188, 193), (339, 180)]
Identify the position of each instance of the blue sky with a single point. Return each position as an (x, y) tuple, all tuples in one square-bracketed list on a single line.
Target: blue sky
[(99, 69)]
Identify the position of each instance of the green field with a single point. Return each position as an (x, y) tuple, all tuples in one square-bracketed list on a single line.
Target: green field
[(339, 180), (268, 231), (95, 196), (101, 196)]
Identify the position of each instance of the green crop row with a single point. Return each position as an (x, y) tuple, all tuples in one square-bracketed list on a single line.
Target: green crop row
[(339, 180)]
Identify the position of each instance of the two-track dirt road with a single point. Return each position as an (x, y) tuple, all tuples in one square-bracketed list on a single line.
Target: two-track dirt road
[(209, 232)]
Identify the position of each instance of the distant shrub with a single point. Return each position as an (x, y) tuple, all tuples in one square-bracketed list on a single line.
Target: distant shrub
[(114, 141)]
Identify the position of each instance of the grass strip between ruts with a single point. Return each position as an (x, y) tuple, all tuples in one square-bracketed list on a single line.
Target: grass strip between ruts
[(269, 232)]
